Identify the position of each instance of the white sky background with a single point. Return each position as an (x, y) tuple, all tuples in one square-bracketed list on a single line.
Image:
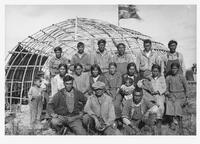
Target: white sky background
[(161, 22)]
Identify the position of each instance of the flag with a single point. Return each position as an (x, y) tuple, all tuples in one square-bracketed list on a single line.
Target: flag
[(128, 11)]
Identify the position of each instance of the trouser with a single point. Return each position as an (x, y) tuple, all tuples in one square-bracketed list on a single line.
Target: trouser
[(137, 126), (46, 99), (76, 126), (118, 105), (35, 106), (89, 122)]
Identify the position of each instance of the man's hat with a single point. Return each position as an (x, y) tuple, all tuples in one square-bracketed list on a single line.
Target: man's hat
[(98, 85)]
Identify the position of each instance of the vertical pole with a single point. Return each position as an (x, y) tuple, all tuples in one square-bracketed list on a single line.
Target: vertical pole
[(76, 28), (118, 16)]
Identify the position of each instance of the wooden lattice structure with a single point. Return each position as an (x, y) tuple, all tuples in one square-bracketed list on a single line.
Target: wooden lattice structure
[(32, 54)]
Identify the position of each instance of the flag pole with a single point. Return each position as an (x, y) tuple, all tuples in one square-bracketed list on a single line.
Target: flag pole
[(118, 16), (76, 28)]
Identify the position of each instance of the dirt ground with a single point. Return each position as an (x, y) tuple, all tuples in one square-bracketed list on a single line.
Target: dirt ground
[(17, 122)]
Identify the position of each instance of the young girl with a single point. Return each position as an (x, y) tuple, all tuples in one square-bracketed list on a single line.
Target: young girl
[(81, 79), (159, 87), (176, 95), (35, 101)]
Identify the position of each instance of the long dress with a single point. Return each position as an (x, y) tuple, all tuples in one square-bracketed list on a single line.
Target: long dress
[(178, 89), (114, 82), (159, 84)]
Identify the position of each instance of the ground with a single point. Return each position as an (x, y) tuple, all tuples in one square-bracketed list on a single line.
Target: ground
[(17, 121)]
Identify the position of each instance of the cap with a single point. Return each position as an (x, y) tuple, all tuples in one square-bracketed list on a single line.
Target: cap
[(98, 85)]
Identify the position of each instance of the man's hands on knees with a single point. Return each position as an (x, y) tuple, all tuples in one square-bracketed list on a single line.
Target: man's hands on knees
[(53, 115), (126, 121)]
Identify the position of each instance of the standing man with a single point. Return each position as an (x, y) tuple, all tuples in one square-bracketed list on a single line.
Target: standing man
[(56, 61), (173, 57), (122, 58), (138, 112), (81, 57), (100, 111), (147, 58), (66, 107), (102, 57), (191, 74)]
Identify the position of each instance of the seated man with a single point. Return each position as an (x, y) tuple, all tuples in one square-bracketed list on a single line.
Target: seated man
[(137, 113), (100, 115), (65, 108)]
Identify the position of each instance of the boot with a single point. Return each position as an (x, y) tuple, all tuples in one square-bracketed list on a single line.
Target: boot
[(180, 125)]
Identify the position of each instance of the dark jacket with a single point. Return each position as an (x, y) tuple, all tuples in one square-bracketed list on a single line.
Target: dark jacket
[(189, 75), (58, 104)]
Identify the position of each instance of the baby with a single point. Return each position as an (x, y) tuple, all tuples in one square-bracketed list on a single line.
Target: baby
[(127, 89)]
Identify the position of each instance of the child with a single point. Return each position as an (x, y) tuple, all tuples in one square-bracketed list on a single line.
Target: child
[(176, 95), (45, 87), (127, 89), (35, 101), (159, 87)]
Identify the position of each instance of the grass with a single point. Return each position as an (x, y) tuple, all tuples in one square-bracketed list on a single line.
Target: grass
[(17, 122)]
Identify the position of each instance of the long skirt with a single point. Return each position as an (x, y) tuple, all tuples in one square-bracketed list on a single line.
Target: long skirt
[(174, 105)]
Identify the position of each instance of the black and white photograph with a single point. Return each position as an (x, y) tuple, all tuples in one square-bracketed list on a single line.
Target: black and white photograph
[(100, 69)]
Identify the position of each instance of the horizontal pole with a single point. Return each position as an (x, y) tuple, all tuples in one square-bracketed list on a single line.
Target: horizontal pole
[(16, 98)]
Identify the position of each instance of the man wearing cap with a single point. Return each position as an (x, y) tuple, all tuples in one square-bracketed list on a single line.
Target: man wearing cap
[(173, 57), (81, 57), (122, 58), (101, 56), (100, 115), (66, 108), (55, 61), (138, 113), (146, 58)]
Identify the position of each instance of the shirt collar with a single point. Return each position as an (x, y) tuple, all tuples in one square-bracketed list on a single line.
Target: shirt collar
[(137, 105), (80, 55), (144, 53), (104, 53), (100, 99), (57, 58), (71, 92), (156, 77)]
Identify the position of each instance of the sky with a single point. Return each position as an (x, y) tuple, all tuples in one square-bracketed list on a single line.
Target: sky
[(161, 22)]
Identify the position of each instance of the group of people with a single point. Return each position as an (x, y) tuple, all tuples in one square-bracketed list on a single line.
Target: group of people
[(111, 95)]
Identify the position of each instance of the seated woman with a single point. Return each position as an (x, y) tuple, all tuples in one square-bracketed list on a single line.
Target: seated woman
[(97, 75), (81, 80), (131, 73), (114, 81), (57, 81)]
